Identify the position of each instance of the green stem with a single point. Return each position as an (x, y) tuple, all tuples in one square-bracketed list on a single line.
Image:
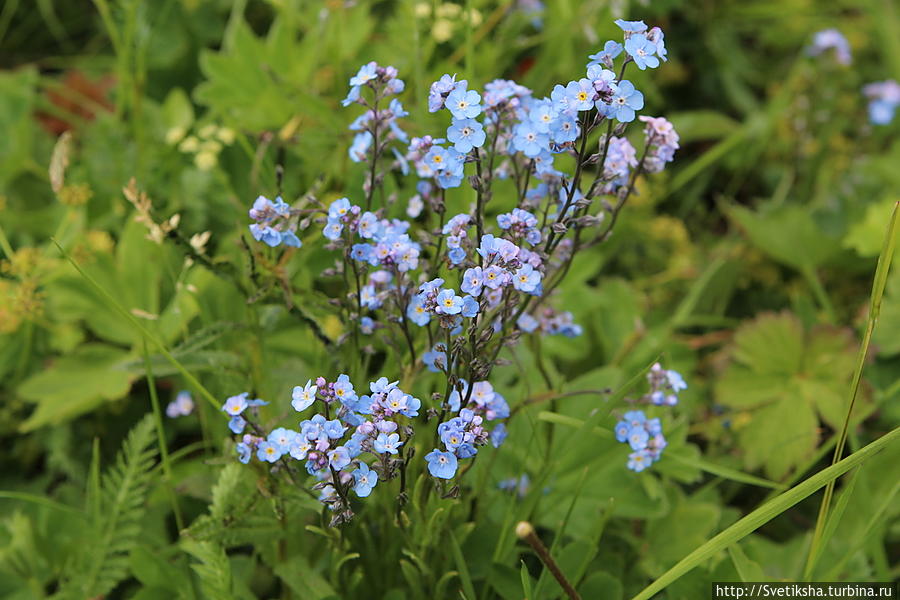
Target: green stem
[(161, 439), (881, 274)]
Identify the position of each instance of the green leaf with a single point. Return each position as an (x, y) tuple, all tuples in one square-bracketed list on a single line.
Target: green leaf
[(782, 381), (17, 96), (116, 517), (747, 569), (702, 125), (177, 110), (788, 234), (76, 384), (303, 580), (674, 535)]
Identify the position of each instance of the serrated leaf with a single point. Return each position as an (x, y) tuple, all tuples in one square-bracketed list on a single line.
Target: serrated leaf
[(76, 384), (787, 380)]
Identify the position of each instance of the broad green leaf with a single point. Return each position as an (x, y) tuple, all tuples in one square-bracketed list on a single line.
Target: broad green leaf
[(866, 235), (177, 110), (788, 234), (784, 381), (76, 384)]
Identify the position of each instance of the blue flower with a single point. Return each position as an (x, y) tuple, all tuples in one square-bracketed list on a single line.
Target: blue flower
[(366, 73), (642, 51), (360, 147), (363, 253), (333, 229), (635, 417), (365, 479), (640, 460), (333, 429), (235, 405), (637, 438), (181, 406), (303, 397), (470, 307), (243, 452), (463, 103), (472, 281), (622, 430), (676, 381), (580, 95), (266, 234), (563, 129), (498, 435), (416, 311), (366, 325), (466, 134), (437, 158), (282, 439), (352, 96), (456, 255), (440, 89), (881, 112), (441, 464), (289, 238), (338, 458), (387, 443), (268, 452), (495, 277), (631, 26), (236, 424), (466, 450), (611, 49), (527, 323), (526, 279), (624, 102), (339, 208), (448, 303), (343, 390), (435, 360), (542, 115), (528, 140)]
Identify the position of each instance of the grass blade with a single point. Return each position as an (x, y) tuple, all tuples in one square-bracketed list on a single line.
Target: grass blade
[(766, 513), (463, 568), (881, 274)]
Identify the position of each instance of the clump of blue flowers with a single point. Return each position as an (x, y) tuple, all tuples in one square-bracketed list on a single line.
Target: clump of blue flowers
[(357, 439), (447, 290), (643, 435)]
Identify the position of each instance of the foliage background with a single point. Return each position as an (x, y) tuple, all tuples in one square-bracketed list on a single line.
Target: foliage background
[(747, 266)]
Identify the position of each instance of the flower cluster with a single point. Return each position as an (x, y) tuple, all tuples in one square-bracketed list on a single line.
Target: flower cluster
[(644, 436), (549, 322), (661, 140), (433, 300), (831, 39), (664, 385), (272, 225), (394, 271), (181, 406), (461, 435), (235, 407), (363, 443), (884, 98)]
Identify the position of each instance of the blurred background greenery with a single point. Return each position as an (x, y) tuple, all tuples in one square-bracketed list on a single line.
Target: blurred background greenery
[(748, 264)]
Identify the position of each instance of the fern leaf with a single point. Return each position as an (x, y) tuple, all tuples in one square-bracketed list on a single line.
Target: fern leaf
[(213, 568), (116, 517)]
